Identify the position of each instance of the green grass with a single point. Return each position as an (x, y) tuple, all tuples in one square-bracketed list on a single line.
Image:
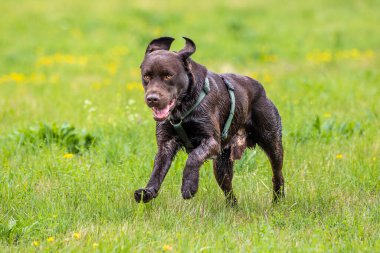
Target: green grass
[(77, 62)]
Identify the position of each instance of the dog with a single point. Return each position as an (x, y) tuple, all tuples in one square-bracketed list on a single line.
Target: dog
[(211, 116)]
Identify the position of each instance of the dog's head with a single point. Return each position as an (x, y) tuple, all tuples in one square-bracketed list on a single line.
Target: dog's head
[(165, 75)]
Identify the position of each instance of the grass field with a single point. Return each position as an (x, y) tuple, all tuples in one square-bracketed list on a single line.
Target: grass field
[(76, 139)]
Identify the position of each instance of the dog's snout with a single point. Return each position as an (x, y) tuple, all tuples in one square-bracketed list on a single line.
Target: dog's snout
[(152, 99)]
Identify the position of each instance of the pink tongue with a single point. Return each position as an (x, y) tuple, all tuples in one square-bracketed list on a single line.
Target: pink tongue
[(161, 113)]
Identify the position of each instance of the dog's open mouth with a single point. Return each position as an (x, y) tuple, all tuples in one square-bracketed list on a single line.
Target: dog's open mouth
[(163, 113)]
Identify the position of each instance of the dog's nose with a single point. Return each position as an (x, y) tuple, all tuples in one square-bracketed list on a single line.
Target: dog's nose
[(152, 99)]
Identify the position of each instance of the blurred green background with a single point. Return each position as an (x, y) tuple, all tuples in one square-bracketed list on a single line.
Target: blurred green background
[(76, 138)]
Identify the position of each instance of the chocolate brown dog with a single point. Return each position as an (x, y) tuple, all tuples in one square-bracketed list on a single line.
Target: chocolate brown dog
[(212, 116)]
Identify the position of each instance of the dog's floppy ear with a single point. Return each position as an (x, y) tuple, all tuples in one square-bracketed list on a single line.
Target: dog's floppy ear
[(188, 50), (162, 43)]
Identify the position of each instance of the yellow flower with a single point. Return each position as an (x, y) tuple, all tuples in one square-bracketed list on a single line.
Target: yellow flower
[(317, 57), (17, 77), (374, 158), (36, 243), (167, 248), (135, 73), (96, 86), (119, 51), (267, 78), (58, 58), (13, 77), (95, 245), (369, 54), (37, 77), (134, 86), (157, 31), (77, 235), (50, 239), (68, 156), (254, 75), (112, 68), (270, 58), (327, 115), (339, 156)]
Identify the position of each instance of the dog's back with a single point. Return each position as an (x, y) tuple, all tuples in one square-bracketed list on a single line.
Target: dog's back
[(213, 116)]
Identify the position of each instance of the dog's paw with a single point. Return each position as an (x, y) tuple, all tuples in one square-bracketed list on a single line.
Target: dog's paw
[(278, 195), (144, 195), (189, 190), (231, 201)]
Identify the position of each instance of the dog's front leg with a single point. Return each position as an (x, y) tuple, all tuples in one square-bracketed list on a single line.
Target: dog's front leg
[(207, 149), (162, 162)]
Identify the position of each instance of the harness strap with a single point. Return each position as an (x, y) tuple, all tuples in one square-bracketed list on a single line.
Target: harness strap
[(206, 89), (232, 109), (182, 134), (178, 126)]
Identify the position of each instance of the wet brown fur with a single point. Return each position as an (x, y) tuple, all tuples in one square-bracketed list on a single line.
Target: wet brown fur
[(256, 120)]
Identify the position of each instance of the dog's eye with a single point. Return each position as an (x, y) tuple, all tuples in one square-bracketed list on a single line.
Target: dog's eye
[(168, 77), (146, 77)]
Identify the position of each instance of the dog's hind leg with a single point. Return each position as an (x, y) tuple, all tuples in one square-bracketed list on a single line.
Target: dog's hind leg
[(274, 151), (269, 138), (223, 171)]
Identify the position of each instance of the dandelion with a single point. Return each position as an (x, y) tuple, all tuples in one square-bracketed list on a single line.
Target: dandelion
[(374, 158), (50, 239), (68, 156), (254, 75), (319, 57), (270, 58), (339, 156), (13, 77), (167, 248), (134, 86), (135, 72), (37, 78), (17, 77), (112, 68), (355, 53), (96, 86), (119, 51), (368, 54), (77, 235), (327, 115), (36, 243), (95, 245), (267, 78), (157, 31), (58, 58), (99, 85)]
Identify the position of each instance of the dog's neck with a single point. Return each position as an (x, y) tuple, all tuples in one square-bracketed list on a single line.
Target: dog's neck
[(197, 74)]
